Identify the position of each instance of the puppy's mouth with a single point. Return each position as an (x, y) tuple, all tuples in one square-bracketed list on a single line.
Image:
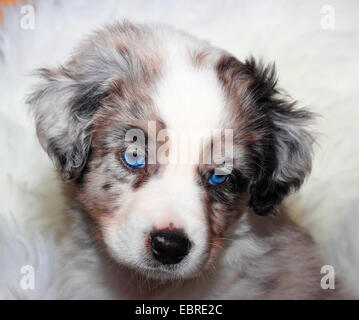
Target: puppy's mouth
[(166, 272)]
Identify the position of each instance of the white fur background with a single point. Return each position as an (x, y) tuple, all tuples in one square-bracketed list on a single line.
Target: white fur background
[(317, 66)]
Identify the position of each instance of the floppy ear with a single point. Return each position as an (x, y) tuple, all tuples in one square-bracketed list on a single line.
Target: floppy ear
[(285, 150), (63, 104)]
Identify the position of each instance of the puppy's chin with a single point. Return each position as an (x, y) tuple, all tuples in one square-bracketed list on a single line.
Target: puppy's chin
[(167, 274)]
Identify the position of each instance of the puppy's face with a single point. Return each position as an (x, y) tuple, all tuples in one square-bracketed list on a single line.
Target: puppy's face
[(165, 141)]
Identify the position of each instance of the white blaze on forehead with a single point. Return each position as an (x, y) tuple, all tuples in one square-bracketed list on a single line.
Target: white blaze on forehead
[(188, 97), (190, 101)]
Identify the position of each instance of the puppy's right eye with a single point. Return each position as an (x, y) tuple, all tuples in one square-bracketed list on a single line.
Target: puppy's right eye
[(134, 160)]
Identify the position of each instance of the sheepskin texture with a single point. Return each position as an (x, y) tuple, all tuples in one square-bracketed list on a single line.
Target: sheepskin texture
[(317, 66)]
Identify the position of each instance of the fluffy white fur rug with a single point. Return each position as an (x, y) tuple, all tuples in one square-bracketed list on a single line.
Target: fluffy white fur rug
[(317, 66)]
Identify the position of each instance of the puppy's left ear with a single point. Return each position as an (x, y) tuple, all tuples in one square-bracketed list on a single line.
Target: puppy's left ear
[(284, 152)]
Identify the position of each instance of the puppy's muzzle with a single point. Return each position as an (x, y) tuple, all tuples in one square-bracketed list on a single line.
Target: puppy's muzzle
[(169, 247)]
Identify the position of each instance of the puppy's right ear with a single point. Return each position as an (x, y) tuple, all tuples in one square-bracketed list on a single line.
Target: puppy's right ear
[(64, 103)]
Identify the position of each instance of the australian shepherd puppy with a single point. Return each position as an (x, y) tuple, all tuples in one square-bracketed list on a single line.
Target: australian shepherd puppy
[(175, 157)]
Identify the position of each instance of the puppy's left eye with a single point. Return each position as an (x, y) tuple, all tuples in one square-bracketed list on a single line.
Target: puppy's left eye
[(134, 160), (215, 179)]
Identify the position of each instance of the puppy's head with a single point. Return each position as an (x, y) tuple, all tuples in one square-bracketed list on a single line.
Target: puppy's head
[(133, 122)]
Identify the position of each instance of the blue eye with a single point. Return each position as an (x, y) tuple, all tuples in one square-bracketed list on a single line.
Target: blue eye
[(215, 179), (134, 160)]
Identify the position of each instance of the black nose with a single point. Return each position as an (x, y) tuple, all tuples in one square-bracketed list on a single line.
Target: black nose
[(169, 247)]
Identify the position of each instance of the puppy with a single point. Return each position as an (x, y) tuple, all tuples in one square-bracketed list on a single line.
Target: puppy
[(148, 218)]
